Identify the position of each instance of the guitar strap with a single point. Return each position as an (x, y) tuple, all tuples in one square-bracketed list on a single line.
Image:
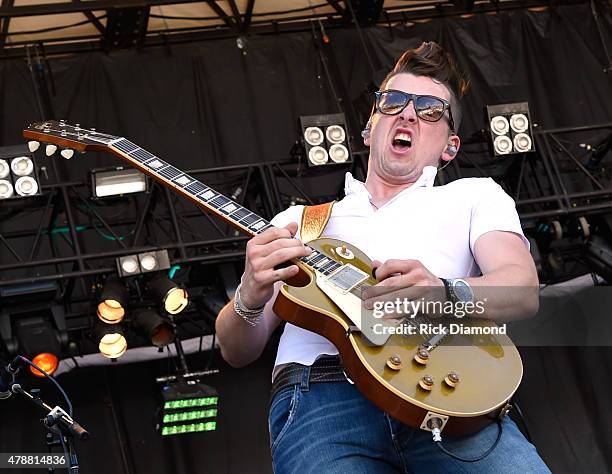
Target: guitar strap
[(314, 220)]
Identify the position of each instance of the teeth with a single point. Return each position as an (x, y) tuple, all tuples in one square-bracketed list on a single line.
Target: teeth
[(403, 137)]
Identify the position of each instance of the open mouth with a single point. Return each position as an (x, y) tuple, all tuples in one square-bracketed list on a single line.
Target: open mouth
[(401, 142)]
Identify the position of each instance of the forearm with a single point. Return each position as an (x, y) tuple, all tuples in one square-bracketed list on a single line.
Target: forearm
[(240, 342), (507, 293)]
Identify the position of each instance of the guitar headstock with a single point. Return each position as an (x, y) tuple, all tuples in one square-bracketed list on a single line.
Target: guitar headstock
[(58, 134)]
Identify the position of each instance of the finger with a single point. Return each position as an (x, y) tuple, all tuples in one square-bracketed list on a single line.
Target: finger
[(394, 266), (284, 255), (375, 265), (398, 296), (269, 277), (278, 244), (292, 227), (271, 234)]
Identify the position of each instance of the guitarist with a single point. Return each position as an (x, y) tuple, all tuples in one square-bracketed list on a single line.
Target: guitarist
[(467, 232)]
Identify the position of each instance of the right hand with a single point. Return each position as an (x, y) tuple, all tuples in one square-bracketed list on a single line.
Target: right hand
[(264, 252)]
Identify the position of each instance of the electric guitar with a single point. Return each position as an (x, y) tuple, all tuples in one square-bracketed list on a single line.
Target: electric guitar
[(449, 381)]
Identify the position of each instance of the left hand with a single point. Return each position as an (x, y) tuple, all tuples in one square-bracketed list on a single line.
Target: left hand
[(404, 279)]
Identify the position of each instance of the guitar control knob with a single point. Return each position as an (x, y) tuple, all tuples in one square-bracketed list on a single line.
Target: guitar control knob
[(421, 357), (452, 379), (394, 362), (426, 383)]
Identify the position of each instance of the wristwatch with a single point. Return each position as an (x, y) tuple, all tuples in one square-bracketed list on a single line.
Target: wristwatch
[(458, 290)]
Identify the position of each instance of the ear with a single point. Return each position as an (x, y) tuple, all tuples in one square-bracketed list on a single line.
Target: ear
[(455, 141), (367, 133)]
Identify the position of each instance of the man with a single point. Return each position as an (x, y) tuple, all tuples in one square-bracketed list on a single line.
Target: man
[(418, 234)]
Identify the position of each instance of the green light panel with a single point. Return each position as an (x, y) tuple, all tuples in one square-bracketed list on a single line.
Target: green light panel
[(191, 428), (190, 403), (189, 415)]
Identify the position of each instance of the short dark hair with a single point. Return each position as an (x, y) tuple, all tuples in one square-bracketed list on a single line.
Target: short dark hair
[(432, 61)]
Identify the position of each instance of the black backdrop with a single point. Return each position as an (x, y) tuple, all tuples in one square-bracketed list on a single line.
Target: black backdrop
[(206, 104)]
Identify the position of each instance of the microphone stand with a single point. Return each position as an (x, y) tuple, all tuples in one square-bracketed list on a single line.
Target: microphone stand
[(62, 429)]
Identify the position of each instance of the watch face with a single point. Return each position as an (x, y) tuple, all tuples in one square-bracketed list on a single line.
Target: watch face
[(463, 291)]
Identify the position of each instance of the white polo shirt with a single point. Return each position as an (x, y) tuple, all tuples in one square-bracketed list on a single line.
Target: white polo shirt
[(437, 225)]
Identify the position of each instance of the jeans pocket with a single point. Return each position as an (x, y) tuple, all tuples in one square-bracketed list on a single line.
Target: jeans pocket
[(282, 414)]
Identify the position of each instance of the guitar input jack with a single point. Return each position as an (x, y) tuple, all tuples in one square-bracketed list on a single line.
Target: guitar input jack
[(435, 423)]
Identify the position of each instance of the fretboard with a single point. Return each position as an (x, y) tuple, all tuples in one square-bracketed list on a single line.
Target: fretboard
[(206, 197)]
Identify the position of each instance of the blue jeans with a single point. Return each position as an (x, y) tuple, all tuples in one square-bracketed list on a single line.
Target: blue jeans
[(331, 428)]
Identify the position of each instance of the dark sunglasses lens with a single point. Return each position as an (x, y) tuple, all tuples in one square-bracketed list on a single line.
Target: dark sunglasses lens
[(429, 108), (391, 102)]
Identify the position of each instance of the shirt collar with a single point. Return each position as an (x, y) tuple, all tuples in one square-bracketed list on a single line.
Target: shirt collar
[(354, 186)]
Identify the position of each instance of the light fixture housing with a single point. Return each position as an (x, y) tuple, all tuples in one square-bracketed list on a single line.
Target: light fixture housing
[(159, 330), (117, 182), (325, 139), (511, 128), (110, 339), (171, 297), (113, 301), (18, 173), (145, 262)]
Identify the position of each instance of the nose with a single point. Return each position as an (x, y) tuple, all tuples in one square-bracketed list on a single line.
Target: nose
[(408, 114)]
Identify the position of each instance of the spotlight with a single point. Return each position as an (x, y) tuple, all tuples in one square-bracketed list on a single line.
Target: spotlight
[(317, 155), (313, 136), (40, 341), (188, 408), (110, 339), (18, 174), (158, 330), (338, 153), (171, 297), (145, 262), (22, 166), (4, 169), (117, 181), (113, 301), (510, 128), (325, 139)]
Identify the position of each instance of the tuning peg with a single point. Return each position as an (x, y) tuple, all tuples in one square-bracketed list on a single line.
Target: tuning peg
[(50, 149), (67, 153), (33, 146)]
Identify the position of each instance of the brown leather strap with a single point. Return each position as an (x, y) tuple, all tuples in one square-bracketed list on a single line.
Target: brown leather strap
[(314, 220)]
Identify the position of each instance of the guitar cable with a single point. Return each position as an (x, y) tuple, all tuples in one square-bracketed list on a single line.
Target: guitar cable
[(437, 438)]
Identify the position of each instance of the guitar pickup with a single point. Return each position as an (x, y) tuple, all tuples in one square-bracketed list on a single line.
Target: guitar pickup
[(346, 278)]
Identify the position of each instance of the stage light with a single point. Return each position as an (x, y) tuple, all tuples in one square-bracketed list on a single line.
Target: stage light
[(26, 186), (511, 130), (4, 169), (188, 408), (18, 174), (145, 262), (338, 153), (171, 297), (46, 361), (6, 189), (317, 155), (522, 142), (325, 139), (499, 125), (113, 301), (313, 136), (519, 123), (117, 181), (110, 339), (22, 166), (157, 329)]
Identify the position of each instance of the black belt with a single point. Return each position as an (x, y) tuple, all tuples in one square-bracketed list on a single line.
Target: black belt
[(325, 369)]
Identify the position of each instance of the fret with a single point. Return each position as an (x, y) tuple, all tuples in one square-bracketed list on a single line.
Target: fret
[(229, 208), (183, 180), (310, 257), (219, 201), (240, 214), (169, 172), (196, 188), (266, 227), (247, 221), (258, 225), (125, 146), (207, 195), (156, 163), (141, 155)]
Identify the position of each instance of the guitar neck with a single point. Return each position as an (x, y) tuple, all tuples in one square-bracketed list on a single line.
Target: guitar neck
[(203, 196)]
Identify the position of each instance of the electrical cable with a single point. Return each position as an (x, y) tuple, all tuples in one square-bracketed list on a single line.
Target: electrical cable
[(519, 412), (44, 372), (437, 438)]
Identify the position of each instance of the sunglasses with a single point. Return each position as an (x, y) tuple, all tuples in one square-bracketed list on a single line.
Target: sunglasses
[(428, 107)]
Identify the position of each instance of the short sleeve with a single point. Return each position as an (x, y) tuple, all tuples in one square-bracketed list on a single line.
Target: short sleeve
[(493, 210), (291, 214)]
